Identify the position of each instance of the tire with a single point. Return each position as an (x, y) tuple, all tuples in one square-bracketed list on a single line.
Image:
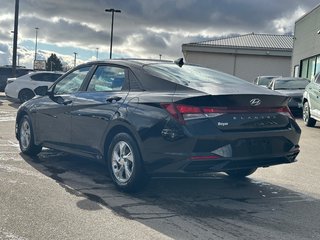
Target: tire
[(25, 95), (308, 121), (125, 164), (26, 137), (241, 173)]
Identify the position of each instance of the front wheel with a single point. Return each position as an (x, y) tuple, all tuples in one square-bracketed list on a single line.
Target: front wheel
[(308, 120), (26, 137), (125, 164), (241, 173)]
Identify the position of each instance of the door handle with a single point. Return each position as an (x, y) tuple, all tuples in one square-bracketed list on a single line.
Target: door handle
[(114, 99), (67, 102)]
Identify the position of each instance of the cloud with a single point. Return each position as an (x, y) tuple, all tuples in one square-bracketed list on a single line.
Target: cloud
[(143, 28)]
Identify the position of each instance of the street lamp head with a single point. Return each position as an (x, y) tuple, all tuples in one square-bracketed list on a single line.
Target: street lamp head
[(113, 10)]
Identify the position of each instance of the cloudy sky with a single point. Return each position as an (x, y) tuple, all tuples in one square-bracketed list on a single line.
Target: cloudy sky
[(144, 28)]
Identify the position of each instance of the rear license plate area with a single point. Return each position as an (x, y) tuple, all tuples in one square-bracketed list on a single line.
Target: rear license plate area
[(252, 147)]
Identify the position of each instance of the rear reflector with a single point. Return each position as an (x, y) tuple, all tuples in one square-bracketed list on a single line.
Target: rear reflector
[(212, 157)]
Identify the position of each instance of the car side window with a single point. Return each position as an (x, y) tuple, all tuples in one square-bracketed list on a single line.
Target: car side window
[(107, 78), (45, 77), (72, 82)]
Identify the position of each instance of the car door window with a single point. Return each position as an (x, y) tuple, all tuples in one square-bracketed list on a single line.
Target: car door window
[(72, 82), (107, 78), (45, 77)]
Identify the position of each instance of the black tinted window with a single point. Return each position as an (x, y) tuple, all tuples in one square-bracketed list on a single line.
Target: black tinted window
[(45, 77)]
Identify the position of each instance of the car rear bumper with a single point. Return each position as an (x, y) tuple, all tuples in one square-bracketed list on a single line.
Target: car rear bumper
[(223, 152)]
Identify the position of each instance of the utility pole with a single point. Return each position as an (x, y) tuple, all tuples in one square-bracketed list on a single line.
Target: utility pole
[(112, 10), (15, 39)]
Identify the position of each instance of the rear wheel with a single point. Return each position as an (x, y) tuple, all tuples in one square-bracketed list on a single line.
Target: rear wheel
[(308, 120), (25, 95), (241, 173), (26, 137), (125, 164)]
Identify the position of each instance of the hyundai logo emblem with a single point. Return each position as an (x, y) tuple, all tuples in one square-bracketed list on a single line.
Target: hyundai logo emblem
[(255, 102)]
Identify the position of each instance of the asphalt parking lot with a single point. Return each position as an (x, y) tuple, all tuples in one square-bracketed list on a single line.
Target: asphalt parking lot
[(60, 196)]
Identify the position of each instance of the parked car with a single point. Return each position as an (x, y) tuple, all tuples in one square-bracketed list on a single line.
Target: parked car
[(6, 72), (22, 88), (292, 87), (147, 118), (264, 81), (311, 102)]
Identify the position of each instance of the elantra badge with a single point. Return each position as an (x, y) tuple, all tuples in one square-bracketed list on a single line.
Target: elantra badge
[(255, 102)]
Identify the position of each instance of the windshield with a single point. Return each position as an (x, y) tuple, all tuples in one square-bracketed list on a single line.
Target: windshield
[(291, 84), (191, 75)]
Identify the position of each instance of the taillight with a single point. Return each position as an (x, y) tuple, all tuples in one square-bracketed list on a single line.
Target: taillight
[(285, 111), (183, 112)]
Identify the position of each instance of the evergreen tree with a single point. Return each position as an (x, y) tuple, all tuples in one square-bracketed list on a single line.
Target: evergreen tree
[(53, 63)]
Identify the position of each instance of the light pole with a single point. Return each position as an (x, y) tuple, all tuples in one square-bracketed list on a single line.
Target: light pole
[(97, 53), (112, 10), (15, 38), (75, 59), (36, 44)]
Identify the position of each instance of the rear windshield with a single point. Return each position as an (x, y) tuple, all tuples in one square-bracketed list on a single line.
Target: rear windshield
[(191, 75), (290, 84)]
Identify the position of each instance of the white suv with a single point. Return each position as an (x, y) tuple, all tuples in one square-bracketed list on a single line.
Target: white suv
[(22, 88), (311, 102)]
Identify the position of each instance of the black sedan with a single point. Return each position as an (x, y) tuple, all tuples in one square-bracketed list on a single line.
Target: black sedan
[(292, 87), (147, 118)]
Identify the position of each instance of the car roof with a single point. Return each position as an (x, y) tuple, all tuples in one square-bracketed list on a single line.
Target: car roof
[(129, 62), (53, 72), (289, 78)]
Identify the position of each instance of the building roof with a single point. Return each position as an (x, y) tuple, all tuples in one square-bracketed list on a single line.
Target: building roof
[(251, 41)]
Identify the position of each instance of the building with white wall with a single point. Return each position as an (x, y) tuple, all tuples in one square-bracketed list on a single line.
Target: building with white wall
[(306, 50), (245, 56)]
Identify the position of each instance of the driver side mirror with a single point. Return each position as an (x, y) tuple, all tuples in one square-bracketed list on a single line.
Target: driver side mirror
[(41, 91)]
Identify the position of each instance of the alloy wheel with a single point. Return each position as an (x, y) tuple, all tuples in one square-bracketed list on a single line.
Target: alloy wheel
[(25, 134), (122, 161)]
